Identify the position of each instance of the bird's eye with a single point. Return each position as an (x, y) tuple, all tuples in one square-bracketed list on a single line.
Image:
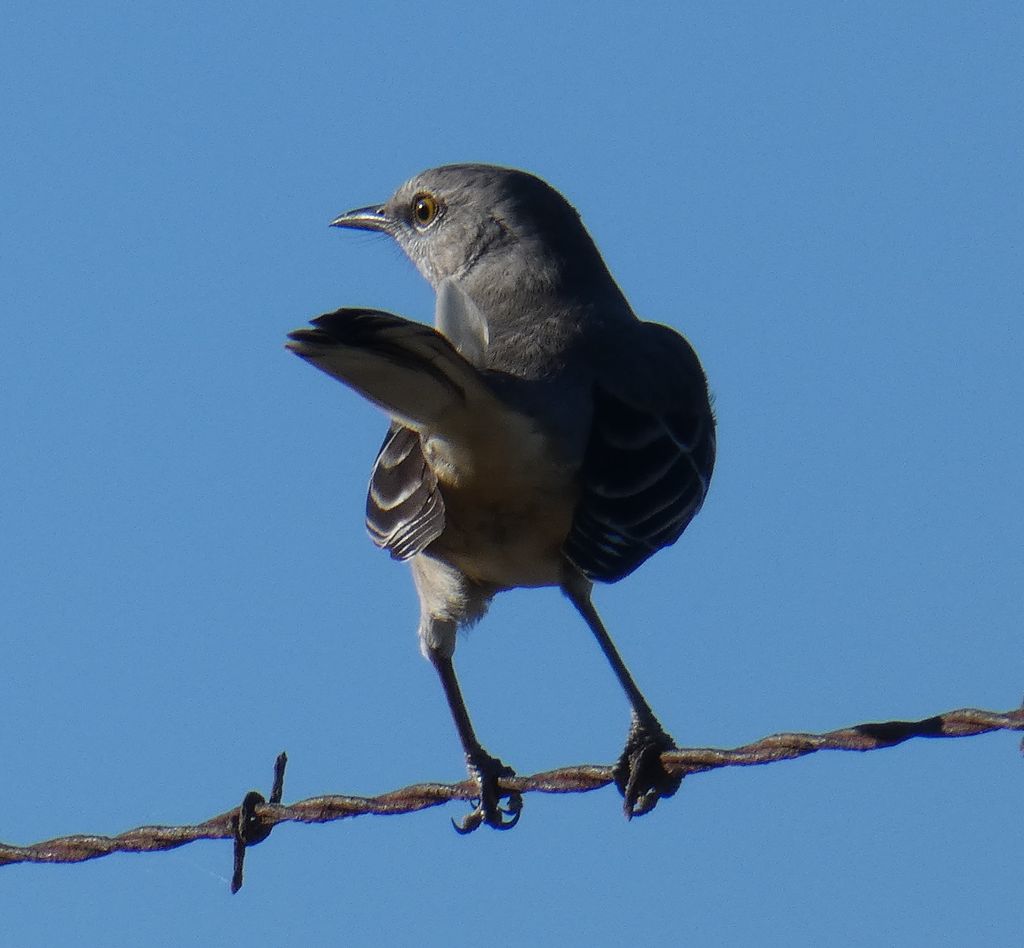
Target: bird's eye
[(424, 209)]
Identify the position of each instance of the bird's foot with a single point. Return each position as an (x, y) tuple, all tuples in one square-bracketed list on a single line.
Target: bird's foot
[(487, 771), (639, 774)]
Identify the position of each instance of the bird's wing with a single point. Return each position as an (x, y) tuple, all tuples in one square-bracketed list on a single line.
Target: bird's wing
[(649, 456), (408, 369), (417, 375), (404, 507), (459, 319)]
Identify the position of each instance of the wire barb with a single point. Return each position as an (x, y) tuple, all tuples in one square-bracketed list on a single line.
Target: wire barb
[(252, 822), (248, 823)]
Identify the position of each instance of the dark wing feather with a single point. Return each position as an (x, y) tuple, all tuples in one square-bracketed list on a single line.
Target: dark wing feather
[(646, 468), (404, 508)]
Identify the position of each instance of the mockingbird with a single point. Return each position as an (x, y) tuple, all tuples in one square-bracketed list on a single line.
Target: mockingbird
[(541, 435)]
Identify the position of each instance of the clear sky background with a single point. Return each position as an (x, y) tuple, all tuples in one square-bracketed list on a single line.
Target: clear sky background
[(825, 198)]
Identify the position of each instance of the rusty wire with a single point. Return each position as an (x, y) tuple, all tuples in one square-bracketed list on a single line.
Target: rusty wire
[(252, 822)]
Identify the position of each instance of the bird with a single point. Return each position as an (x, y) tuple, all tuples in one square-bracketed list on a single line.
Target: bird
[(541, 433)]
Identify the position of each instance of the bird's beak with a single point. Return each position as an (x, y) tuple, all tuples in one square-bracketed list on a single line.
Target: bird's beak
[(365, 218)]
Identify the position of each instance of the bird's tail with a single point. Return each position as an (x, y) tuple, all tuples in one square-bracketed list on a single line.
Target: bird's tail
[(408, 369)]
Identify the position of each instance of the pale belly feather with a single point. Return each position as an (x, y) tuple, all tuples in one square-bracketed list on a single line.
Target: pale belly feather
[(507, 515)]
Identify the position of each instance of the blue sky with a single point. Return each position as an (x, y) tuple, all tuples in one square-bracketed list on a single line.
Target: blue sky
[(825, 198)]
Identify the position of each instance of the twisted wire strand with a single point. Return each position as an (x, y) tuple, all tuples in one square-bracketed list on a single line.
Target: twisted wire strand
[(252, 822)]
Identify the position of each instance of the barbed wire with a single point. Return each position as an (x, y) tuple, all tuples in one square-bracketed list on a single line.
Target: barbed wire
[(251, 822)]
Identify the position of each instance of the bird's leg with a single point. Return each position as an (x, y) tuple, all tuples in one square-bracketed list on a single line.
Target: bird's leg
[(639, 774), (483, 768)]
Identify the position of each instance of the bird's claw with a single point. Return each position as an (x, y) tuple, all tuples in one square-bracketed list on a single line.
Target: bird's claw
[(487, 771), (639, 773)]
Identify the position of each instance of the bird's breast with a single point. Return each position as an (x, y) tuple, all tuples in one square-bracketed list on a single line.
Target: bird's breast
[(509, 501)]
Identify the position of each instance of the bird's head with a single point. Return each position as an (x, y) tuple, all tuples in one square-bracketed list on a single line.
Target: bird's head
[(472, 221)]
